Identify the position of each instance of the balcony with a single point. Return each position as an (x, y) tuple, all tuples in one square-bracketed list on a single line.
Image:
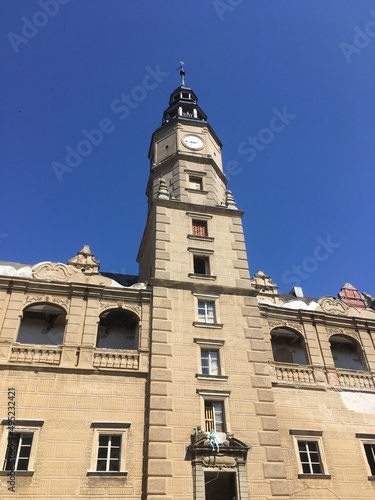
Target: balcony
[(32, 354), (297, 375), (73, 357), (116, 360)]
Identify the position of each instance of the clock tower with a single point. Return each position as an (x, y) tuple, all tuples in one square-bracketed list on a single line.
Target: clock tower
[(204, 315)]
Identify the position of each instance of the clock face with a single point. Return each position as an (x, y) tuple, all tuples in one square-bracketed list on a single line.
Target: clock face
[(193, 142)]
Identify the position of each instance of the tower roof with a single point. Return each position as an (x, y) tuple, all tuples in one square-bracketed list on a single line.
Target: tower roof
[(183, 105)]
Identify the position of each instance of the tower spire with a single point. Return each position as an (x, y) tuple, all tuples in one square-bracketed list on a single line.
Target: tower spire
[(182, 72)]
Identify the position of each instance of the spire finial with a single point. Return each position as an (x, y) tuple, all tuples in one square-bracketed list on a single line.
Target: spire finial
[(182, 72)]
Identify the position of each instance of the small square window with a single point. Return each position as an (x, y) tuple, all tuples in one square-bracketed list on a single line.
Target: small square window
[(214, 416), (210, 362), (201, 264), (200, 228), (206, 311), (195, 182)]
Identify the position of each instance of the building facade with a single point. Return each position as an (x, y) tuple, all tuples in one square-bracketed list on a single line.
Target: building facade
[(191, 380)]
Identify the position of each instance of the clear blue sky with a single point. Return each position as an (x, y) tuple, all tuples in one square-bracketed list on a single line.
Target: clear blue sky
[(309, 181)]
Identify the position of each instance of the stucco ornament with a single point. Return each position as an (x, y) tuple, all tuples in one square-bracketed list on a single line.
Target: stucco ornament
[(334, 306), (286, 324), (135, 308), (83, 268)]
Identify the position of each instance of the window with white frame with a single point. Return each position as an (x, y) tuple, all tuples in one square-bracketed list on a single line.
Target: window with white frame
[(368, 443), (370, 455), (210, 359), (18, 451), (215, 410), (109, 448), (206, 311), (309, 448), (210, 362), (18, 444), (214, 416), (310, 457)]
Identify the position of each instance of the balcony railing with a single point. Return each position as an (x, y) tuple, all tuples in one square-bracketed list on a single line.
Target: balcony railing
[(296, 374), (71, 357), (125, 360), (358, 380), (35, 355), (300, 374)]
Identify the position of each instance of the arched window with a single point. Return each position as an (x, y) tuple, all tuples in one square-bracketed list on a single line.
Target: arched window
[(42, 324), (288, 347), (118, 329), (346, 353)]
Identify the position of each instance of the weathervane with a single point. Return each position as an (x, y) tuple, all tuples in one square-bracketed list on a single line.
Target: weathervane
[(182, 72)]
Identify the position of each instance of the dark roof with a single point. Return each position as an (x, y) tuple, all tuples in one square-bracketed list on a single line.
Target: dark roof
[(288, 297), (122, 279)]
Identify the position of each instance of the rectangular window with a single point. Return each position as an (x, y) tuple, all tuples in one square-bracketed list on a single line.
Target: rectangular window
[(206, 311), (108, 455), (210, 362), (214, 416), (195, 182), (200, 228), (370, 455), (109, 452), (310, 457), (18, 451), (201, 265)]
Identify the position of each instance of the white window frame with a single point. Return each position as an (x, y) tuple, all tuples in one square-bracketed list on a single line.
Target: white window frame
[(310, 437), (215, 396), (20, 427), (211, 345), (206, 311), (109, 429), (212, 357), (203, 321), (368, 439)]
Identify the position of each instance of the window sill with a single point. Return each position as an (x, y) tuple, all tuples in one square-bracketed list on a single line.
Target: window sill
[(105, 473), (200, 376), (17, 473), (208, 277), (207, 325), (200, 238), (314, 476)]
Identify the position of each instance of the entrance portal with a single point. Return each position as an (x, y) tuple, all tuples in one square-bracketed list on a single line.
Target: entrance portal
[(220, 485)]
